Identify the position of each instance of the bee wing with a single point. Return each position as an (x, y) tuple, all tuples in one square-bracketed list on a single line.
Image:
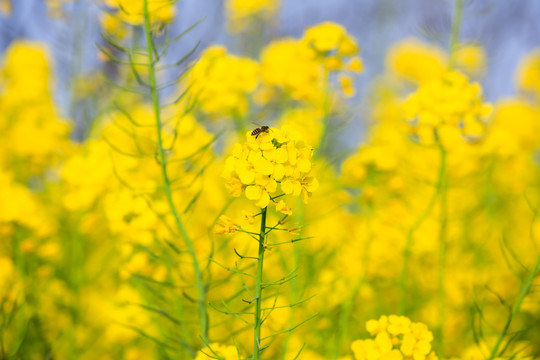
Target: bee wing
[(259, 125)]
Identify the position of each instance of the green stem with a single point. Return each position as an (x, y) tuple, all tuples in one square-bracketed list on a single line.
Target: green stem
[(294, 280), (76, 56), (442, 262), (454, 35), (349, 303), (410, 235), (326, 112), (258, 289), (439, 331), (515, 309), (199, 282)]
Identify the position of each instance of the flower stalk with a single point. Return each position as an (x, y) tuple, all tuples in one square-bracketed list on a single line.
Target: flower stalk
[(259, 288), (454, 35), (515, 309), (199, 282), (441, 293), (419, 221)]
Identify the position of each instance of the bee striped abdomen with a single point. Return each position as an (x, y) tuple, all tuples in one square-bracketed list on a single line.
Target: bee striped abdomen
[(258, 131)]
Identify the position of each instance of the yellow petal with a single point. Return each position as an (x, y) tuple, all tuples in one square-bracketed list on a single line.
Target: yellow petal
[(246, 175), (383, 341), (264, 200), (264, 166), (304, 165), (281, 156), (279, 172), (253, 192), (287, 186)]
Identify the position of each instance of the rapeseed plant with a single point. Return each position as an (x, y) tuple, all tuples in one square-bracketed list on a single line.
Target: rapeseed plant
[(213, 221)]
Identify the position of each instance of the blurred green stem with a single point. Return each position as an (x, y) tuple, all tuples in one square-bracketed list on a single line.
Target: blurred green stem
[(326, 113), (294, 280), (258, 289), (441, 294), (199, 282), (348, 305), (515, 309), (419, 221), (454, 35)]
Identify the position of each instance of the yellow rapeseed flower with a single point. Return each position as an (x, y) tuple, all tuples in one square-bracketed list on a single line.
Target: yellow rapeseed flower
[(471, 59), (301, 67), (448, 103), (396, 337), (329, 36), (416, 61), (265, 160), (241, 14), (222, 82), (528, 74), (132, 12), (225, 225)]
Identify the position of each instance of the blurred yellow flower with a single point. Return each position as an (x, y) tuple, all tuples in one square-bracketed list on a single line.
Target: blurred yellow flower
[(329, 36), (222, 82), (241, 14), (132, 12), (396, 337), (5, 7), (347, 87), (225, 225), (528, 74), (471, 59), (416, 61), (301, 67), (448, 103)]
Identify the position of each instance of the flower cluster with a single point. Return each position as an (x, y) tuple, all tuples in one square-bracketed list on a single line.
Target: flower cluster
[(528, 76), (418, 62), (242, 14), (266, 159), (448, 103), (28, 111), (396, 338), (131, 12), (221, 82), (333, 46), (294, 65), (415, 61), (471, 59), (330, 39)]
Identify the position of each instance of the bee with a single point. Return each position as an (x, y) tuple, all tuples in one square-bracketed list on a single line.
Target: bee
[(261, 129)]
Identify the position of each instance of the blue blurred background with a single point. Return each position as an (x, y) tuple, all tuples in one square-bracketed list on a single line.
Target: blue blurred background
[(506, 29)]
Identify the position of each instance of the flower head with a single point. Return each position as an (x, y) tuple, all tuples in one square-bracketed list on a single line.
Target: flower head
[(266, 159), (242, 14), (222, 82), (528, 74), (395, 337), (447, 104)]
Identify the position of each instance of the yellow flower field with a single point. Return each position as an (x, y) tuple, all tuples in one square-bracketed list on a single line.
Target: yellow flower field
[(207, 208)]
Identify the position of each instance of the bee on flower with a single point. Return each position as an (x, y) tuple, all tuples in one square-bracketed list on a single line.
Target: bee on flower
[(267, 162)]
